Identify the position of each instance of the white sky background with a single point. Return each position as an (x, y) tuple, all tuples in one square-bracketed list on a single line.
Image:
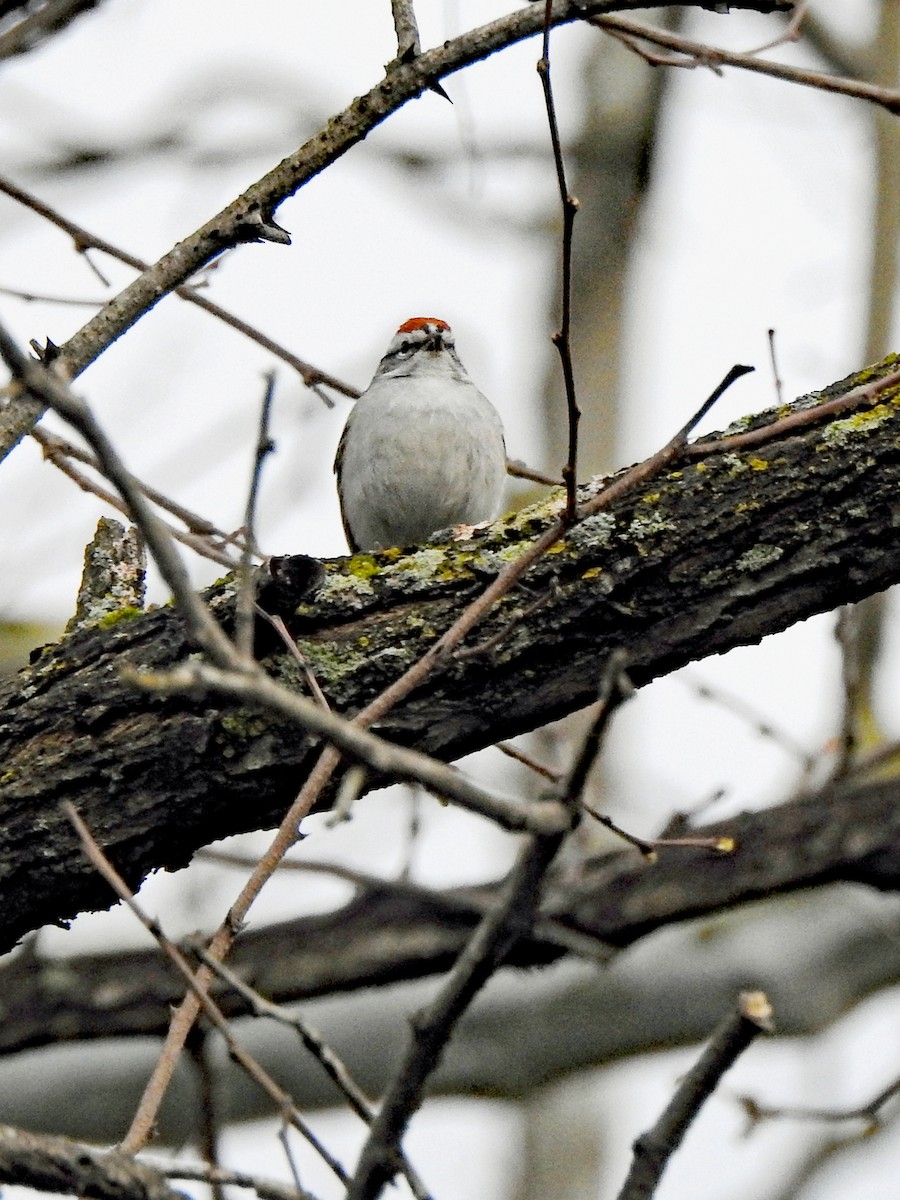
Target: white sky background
[(757, 220)]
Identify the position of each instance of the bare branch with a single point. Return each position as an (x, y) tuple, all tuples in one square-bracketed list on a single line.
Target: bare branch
[(40, 22), (495, 936), (407, 30), (249, 217), (54, 1164), (39, 382), (870, 1111), (616, 588), (562, 339), (266, 1189), (653, 1149), (280, 1099), (246, 600), (698, 54)]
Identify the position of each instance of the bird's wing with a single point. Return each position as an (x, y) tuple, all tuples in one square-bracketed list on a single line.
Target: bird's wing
[(338, 468)]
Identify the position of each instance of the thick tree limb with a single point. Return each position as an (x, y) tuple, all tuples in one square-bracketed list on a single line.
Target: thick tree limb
[(714, 555), (391, 933), (527, 1029)]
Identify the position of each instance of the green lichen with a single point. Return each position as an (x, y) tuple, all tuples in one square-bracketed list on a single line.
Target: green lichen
[(420, 626), (734, 464), (740, 425), (875, 371), (339, 587), (363, 566), (427, 562), (644, 527), (332, 661), (127, 613), (757, 464), (759, 557), (243, 724), (592, 532), (840, 433)]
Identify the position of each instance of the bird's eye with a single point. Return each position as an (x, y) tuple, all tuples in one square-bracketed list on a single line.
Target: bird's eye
[(404, 350)]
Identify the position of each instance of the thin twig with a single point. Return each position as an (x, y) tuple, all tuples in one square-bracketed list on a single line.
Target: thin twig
[(412, 835), (562, 338), (698, 54), (41, 298), (85, 240), (653, 1149), (349, 790), (801, 418), (244, 615), (756, 720), (673, 449), (198, 1047), (284, 1138), (847, 632), (489, 645), (520, 470), (869, 1111), (266, 1189), (791, 32), (527, 761), (58, 452), (779, 392), (42, 384), (277, 623), (257, 1073), (494, 937), (328, 1060), (650, 847)]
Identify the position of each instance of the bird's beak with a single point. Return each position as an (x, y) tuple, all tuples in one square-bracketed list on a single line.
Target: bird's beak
[(435, 341)]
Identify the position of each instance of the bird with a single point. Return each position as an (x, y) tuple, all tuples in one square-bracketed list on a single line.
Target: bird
[(422, 449)]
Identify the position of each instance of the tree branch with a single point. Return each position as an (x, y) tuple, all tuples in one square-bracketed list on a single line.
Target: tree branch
[(54, 1164), (391, 932), (653, 1149), (249, 218), (713, 555)]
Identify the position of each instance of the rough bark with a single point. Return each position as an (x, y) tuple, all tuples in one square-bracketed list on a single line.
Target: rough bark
[(526, 1029), (392, 932), (714, 554)]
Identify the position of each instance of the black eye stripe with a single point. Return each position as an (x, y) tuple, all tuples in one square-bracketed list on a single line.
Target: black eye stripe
[(403, 349)]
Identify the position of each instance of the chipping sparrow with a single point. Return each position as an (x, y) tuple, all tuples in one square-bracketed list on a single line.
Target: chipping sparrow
[(422, 449)]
